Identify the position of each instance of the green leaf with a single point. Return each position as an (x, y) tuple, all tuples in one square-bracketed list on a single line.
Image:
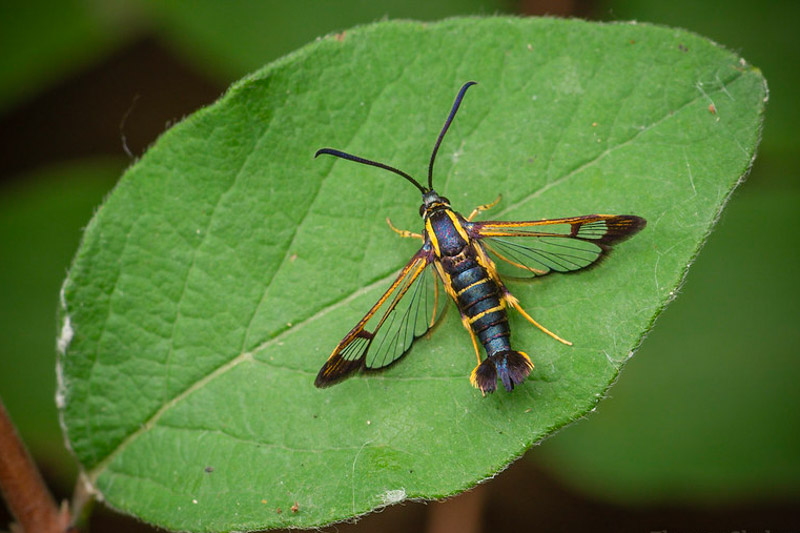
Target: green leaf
[(228, 263), (764, 31)]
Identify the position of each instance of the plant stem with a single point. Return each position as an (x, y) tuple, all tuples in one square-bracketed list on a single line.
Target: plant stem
[(22, 486)]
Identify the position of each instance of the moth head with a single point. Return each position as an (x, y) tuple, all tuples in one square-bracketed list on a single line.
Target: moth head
[(431, 202)]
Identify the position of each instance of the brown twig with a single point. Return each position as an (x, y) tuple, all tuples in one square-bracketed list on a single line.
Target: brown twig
[(22, 486)]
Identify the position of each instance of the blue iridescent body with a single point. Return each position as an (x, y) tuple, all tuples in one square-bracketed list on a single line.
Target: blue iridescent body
[(477, 296)]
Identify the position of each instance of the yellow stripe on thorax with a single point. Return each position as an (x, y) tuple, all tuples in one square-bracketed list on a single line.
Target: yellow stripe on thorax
[(432, 237), (457, 224)]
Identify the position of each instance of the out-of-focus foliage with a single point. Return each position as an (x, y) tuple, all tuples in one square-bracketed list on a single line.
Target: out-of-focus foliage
[(41, 217)]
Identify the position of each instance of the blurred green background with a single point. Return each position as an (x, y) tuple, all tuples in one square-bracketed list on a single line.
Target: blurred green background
[(703, 427)]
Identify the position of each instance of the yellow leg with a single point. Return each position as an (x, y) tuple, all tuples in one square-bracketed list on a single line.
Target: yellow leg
[(402, 232), (465, 322), (484, 207), (475, 345), (513, 302)]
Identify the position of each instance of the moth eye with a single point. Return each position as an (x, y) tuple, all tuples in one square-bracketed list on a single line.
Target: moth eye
[(445, 200), (422, 210)]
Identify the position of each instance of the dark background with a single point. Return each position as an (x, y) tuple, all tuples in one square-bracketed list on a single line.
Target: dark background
[(702, 431)]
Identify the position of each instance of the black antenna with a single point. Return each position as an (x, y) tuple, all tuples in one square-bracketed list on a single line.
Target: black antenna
[(457, 103), (344, 155)]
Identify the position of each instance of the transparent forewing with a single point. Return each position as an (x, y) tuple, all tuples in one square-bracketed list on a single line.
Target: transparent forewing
[(415, 312), (544, 255), (539, 247), (407, 310)]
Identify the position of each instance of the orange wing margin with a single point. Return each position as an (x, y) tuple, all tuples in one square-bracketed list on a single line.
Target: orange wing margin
[(568, 245), (403, 321)]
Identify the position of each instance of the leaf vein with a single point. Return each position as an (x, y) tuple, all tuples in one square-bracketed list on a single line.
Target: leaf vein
[(595, 160)]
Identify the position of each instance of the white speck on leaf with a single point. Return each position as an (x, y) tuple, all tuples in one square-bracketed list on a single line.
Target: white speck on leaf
[(392, 496), (61, 400), (65, 337)]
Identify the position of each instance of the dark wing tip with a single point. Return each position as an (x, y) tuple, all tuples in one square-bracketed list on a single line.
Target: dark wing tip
[(335, 370), (622, 227)]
